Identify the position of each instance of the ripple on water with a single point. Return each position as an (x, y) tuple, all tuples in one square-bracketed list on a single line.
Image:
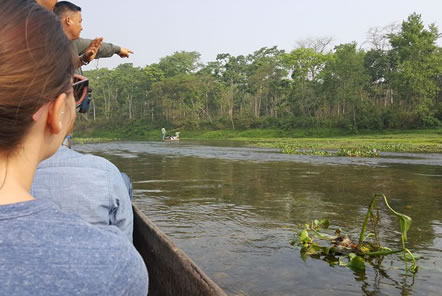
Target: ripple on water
[(235, 209), (133, 149)]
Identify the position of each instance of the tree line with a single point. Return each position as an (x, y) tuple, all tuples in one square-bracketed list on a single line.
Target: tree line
[(394, 82)]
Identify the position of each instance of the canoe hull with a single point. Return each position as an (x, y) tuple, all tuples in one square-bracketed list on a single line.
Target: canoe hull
[(171, 271)]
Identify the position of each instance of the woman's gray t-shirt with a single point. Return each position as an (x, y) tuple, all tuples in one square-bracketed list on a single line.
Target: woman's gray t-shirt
[(44, 251)]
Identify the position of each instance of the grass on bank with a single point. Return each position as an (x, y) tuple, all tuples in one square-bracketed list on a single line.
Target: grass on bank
[(313, 139)]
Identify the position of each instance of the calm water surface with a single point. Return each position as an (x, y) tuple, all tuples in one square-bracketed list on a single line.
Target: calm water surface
[(235, 209)]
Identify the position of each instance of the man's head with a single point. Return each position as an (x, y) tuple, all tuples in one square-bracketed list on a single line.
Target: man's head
[(48, 4), (69, 15)]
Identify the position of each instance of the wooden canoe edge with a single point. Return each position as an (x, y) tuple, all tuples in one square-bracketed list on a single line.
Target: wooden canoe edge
[(171, 271)]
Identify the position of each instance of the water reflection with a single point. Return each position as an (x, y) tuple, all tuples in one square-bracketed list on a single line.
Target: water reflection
[(235, 209)]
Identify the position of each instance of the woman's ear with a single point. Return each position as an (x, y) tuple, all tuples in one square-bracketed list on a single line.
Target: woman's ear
[(56, 111)]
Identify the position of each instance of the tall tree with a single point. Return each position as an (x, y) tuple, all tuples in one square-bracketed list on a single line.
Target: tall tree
[(181, 62), (305, 66), (263, 71), (231, 71), (418, 66), (347, 77)]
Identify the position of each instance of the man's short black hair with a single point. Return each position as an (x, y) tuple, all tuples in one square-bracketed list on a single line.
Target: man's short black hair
[(63, 7)]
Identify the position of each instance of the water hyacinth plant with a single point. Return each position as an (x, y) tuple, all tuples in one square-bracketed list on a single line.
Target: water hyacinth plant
[(340, 249), (360, 152), (364, 151), (293, 149)]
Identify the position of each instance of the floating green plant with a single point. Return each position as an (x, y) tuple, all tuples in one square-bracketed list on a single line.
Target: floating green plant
[(293, 149), (341, 249), (92, 140), (348, 152), (358, 152)]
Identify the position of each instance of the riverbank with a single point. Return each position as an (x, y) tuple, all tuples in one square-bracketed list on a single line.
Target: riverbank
[(321, 139)]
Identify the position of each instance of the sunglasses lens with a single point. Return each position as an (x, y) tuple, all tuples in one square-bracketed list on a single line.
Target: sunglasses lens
[(77, 94), (79, 88)]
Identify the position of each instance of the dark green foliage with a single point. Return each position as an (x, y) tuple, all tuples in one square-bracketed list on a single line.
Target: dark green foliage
[(349, 88)]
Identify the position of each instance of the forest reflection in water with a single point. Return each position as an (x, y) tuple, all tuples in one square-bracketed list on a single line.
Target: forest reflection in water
[(235, 209)]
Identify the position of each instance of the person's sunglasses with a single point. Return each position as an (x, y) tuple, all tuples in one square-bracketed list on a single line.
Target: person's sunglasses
[(80, 88)]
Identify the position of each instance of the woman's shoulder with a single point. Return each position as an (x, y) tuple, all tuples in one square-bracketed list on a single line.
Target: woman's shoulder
[(54, 250), (41, 222)]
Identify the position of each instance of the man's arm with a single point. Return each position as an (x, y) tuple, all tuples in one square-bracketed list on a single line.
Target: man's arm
[(106, 50), (121, 214)]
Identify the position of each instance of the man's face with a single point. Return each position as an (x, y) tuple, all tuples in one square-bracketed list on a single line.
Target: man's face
[(75, 27), (48, 4)]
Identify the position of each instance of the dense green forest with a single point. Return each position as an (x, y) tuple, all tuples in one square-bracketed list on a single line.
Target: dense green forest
[(394, 81)]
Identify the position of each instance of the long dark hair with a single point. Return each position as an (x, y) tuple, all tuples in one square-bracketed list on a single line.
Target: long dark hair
[(36, 65)]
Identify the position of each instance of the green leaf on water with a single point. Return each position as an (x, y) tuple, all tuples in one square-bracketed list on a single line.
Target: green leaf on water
[(304, 238), (356, 262), (326, 250), (313, 249), (324, 223)]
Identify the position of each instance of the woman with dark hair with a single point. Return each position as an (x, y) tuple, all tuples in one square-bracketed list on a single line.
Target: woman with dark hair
[(44, 251)]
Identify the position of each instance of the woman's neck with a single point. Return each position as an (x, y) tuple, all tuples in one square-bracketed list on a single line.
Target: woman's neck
[(16, 175)]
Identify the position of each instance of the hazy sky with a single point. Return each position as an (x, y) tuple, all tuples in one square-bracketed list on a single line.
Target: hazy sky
[(155, 29)]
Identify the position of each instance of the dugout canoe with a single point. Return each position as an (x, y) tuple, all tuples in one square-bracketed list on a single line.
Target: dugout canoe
[(171, 271)]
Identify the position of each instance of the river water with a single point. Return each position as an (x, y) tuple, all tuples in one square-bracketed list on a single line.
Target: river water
[(234, 209)]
